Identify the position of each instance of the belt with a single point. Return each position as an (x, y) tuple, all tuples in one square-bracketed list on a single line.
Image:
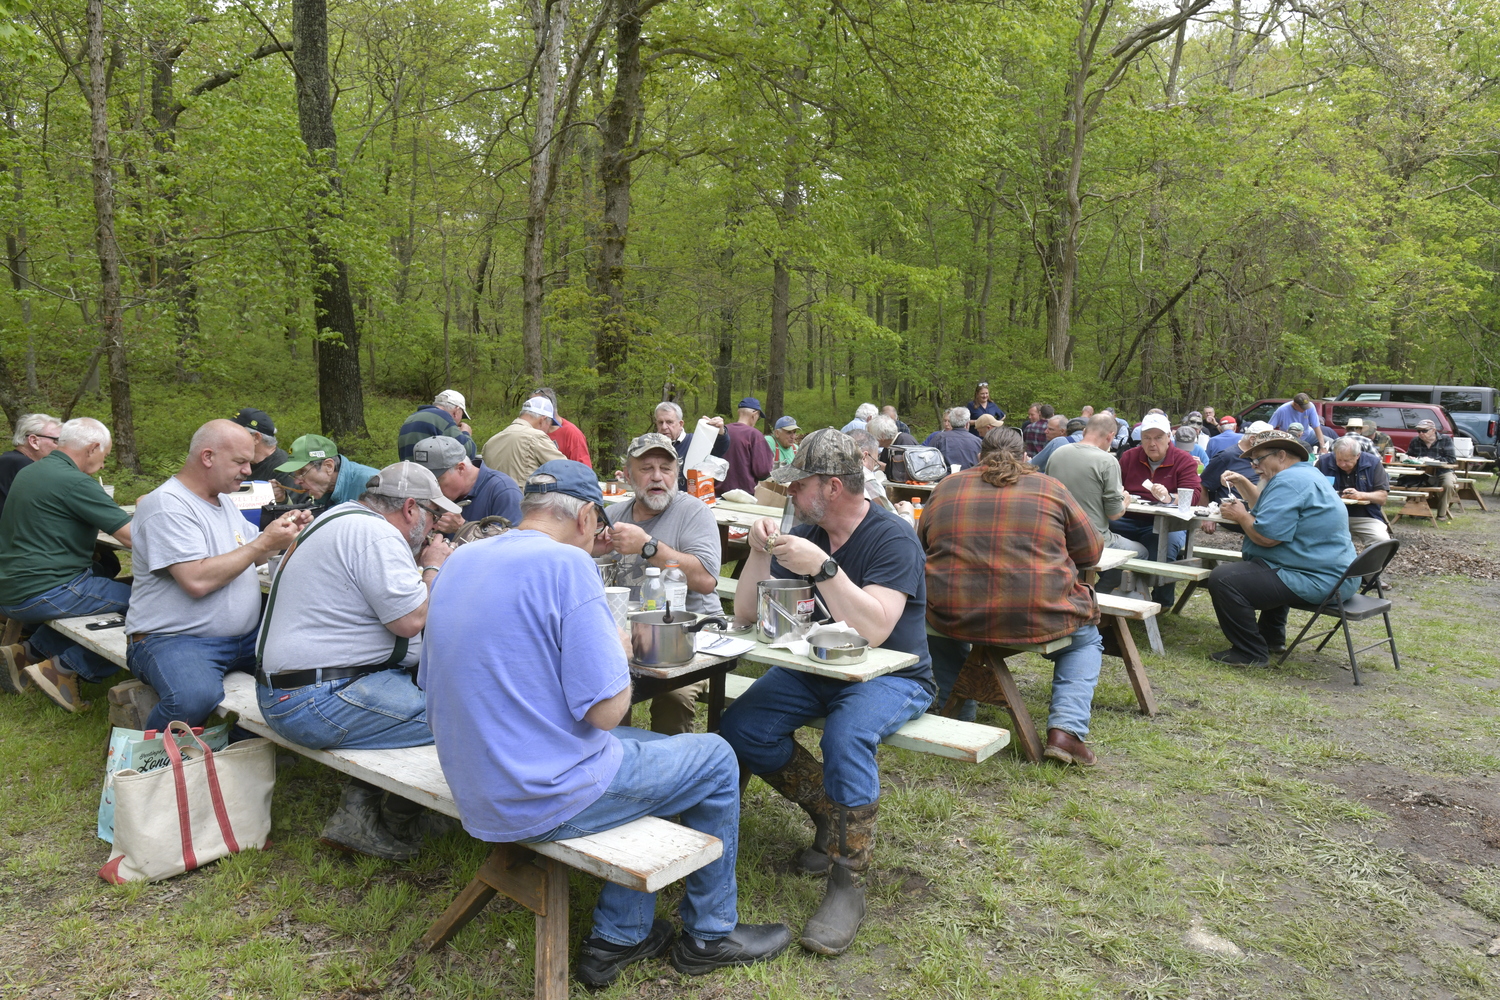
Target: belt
[(302, 678), (139, 636)]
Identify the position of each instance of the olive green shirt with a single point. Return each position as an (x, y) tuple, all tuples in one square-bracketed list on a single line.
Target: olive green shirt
[(52, 518)]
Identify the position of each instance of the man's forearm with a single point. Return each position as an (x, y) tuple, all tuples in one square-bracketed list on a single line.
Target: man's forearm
[(747, 594), (204, 576), (848, 602)]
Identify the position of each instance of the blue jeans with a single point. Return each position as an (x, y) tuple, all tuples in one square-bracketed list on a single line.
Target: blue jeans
[(761, 724), (378, 711), (1075, 674), (692, 775), (85, 594), (188, 671)]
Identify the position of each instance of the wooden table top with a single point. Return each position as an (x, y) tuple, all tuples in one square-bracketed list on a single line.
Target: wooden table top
[(877, 663)]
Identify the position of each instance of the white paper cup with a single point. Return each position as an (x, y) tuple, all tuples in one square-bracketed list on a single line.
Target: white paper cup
[(109, 491), (618, 599), (1184, 498)]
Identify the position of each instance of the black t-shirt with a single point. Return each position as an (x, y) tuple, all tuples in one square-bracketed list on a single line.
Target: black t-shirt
[(11, 463), (265, 470), (884, 551)]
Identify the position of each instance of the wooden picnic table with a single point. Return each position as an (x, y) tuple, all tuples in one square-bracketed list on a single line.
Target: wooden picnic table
[(909, 491)]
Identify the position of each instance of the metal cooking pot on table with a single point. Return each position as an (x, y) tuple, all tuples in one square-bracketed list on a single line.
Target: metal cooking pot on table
[(665, 638)]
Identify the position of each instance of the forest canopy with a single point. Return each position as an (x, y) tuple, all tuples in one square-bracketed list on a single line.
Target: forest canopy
[(289, 203)]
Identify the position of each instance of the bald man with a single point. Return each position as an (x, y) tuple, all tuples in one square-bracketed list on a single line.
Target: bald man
[(195, 604)]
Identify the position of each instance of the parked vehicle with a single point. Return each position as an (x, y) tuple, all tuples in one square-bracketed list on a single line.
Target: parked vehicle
[(1399, 420), (1474, 409)]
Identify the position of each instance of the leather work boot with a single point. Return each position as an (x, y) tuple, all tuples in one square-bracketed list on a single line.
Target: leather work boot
[(1065, 748), (13, 660), (130, 704), (801, 781), (745, 945), (600, 963), (412, 823), (59, 684), (355, 825), (831, 930)]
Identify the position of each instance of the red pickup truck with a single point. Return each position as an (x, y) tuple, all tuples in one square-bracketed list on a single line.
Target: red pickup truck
[(1399, 420)]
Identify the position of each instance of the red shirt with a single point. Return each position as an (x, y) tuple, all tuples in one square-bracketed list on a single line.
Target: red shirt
[(571, 442), (1178, 470)]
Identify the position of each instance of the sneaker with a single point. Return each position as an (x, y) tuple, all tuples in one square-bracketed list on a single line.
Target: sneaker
[(13, 660), (600, 963), (59, 684), (745, 945)]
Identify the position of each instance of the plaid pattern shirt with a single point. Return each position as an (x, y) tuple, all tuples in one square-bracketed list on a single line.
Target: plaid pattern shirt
[(1003, 564), (1034, 435)]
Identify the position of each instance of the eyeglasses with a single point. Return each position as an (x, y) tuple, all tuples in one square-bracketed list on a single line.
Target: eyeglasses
[(45, 437), (603, 521), (982, 385), (433, 510)]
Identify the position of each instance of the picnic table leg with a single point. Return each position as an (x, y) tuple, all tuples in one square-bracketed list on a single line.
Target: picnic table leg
[(986, 678), (552, 932), (716, 696), (12, 633), (1134, 669), (1153, 635)]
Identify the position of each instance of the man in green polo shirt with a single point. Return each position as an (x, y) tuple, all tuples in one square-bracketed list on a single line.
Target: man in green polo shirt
[(52, 519), (318, 468)]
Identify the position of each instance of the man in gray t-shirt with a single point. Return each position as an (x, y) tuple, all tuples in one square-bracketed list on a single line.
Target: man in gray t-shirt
[(342, 636), (195, 602), (660, 526)]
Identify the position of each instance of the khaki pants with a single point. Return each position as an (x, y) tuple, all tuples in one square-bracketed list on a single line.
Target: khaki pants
[(673, 713), (1449, 482), (1366, 531)]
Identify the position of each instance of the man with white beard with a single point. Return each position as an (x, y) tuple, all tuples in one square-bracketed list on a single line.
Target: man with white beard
[(340, 636), (664, 525)]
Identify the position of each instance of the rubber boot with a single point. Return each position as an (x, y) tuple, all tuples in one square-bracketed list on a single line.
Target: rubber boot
[(412, 823), (801, 781), (831, 930), (356, 826)]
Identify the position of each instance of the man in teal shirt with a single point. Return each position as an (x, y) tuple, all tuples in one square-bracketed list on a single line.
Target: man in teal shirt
[(52, 518), (1297, 547), (318, 468)]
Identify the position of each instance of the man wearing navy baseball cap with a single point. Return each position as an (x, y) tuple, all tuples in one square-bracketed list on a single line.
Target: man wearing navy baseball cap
[(527, 683), (267, 454), (748, 455)]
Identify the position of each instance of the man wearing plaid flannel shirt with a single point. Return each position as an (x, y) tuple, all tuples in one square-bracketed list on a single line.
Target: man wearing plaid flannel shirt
[(1005, 547), (867, 566)]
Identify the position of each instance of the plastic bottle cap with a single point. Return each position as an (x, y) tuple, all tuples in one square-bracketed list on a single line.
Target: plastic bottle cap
[(652, 571)]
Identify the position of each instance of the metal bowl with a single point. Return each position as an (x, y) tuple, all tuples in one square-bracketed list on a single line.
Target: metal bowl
[(837, 647), (731, 628)]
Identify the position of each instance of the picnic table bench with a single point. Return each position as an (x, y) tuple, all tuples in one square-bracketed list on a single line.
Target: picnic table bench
[(647, 854)]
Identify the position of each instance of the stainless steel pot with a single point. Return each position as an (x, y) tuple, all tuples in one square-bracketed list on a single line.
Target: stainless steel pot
[(784, 608), (657, 640)]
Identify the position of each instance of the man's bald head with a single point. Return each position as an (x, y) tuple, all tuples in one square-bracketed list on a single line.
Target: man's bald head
[(217, 435), (219, 459)]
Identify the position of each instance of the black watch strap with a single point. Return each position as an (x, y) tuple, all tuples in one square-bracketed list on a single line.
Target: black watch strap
[(649, 549), (828, 571)]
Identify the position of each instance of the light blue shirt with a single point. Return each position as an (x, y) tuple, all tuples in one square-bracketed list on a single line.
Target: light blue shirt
[(1286, 415), (854, 425), (1222, 440), (1300, 510), (350, 485), (1041, 458), (520, 645)]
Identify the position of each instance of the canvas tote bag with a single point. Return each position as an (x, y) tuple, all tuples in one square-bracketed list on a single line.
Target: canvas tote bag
[(203, 805)]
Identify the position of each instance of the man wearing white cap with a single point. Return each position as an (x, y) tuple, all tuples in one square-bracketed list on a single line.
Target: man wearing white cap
[(341, 633), (524, 445), (1168, 469), (446, 417)]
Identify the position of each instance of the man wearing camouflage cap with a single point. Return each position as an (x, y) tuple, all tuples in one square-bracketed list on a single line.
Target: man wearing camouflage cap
[(341, 632), (869, 570), (665, 525)]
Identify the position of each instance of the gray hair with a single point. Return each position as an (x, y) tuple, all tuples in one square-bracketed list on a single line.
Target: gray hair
[(881, 427), (864, 411), (269, 440), (958, 417), (33, 423), (667, 404), (866, 442), (558, 506), (82, 432), (1346, 445), (382, 504)]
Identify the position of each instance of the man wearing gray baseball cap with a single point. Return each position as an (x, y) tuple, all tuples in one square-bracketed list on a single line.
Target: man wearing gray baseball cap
[(489, 492), (340, 635), (868, 567)]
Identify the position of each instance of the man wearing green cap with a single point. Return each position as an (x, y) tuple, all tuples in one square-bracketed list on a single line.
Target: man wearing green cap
[(317, 467)]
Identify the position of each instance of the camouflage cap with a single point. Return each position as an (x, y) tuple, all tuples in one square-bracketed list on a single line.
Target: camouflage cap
[(651, 442), (826, 452), (1278, 439)]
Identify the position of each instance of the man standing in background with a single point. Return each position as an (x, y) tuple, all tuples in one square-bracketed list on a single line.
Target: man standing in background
[(568, 438)]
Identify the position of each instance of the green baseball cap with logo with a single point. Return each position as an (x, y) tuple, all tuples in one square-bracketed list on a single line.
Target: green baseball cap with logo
[(309, 448)]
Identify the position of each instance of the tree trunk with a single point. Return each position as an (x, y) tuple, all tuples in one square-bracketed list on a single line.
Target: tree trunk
[(169, 267), (612, 337), (341, 401), (549, 23), (111, 314)]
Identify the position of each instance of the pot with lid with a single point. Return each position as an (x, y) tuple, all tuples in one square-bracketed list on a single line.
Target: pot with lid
[(665, 638)]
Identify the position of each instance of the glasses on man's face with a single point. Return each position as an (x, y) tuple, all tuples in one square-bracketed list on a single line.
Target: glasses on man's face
[(45, 437), (1255, 462), (603, 520)]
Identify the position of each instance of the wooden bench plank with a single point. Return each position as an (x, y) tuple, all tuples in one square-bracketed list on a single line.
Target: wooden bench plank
[(1172, 571), (1218, 555), (967, 741), (1127, 607)]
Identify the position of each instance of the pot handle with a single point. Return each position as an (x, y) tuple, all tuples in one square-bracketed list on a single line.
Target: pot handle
[(719, 620)]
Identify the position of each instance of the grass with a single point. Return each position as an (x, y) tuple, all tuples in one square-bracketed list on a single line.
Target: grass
[(1227, 812)]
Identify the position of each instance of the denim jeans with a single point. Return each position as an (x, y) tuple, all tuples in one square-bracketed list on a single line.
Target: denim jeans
[(1146, 534), (761, 725), (691, 775), (188, 671), (378, 711), (85, 594), (1075, 674)]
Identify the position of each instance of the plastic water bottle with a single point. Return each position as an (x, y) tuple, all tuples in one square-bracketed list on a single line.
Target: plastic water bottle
[(916, 509), (653, 591), (674, 581)]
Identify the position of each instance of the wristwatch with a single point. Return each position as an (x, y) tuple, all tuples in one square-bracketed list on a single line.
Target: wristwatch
[(648, 551), (828, 572)]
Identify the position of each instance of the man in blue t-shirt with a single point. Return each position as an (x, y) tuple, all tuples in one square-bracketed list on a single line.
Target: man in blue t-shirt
[(1300, 410), (1297, 547), (868, 567), (484, 492), (527, 682)]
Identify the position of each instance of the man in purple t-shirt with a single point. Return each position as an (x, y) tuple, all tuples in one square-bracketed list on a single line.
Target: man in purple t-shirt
[(749, 456)]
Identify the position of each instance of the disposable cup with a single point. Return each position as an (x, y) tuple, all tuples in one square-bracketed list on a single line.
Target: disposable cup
[(1185, 498), (618, 599)]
